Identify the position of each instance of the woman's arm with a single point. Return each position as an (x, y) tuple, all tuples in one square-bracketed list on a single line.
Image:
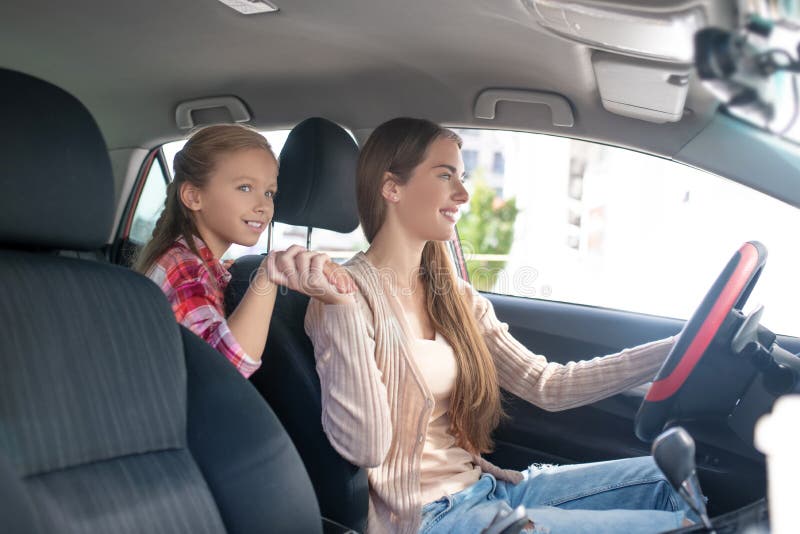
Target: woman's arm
[(554, 386), (355, 410)]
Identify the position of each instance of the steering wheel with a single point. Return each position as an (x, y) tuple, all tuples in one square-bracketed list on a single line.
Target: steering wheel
[(672, 392)]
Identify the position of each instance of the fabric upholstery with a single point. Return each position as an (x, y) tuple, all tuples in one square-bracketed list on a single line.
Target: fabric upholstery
[(55, 167), (159, 492), (289, 382), (316, 182), (75, 360), (93, 399), (100, 431), (262, 488), (16, 508)]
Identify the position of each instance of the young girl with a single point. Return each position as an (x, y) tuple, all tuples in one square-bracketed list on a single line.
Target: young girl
[(223, 192), (411, 368)]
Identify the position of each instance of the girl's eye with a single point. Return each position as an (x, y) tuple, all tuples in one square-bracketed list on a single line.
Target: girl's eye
[(445, 176), (270, 194), (246, 188)]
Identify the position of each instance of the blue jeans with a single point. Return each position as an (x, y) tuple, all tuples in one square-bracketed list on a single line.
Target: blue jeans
[(627, 496)]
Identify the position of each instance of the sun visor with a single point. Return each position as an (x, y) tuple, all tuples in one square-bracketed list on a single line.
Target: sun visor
[(646, 90), (652, 30)]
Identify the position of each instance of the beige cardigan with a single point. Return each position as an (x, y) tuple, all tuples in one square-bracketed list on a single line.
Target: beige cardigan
[(376, 405)]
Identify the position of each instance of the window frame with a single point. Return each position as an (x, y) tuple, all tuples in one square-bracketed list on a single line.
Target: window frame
[(155, 156)]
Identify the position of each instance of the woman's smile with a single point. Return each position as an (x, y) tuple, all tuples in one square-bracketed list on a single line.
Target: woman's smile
[(451, 214)]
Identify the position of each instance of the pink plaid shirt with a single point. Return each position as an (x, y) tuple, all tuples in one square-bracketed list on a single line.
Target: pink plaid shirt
[(197, 300)]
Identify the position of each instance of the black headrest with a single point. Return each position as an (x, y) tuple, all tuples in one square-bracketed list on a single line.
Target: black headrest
[(316, 183), (56, 186)]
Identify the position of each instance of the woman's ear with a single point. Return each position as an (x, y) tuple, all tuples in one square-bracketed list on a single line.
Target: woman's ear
[(190, 196), (390, 190)]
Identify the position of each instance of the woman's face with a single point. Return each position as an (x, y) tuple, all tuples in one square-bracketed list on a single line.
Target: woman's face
[(428, 203)]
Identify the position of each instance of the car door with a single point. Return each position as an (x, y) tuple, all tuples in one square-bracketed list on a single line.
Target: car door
[(585, 250)]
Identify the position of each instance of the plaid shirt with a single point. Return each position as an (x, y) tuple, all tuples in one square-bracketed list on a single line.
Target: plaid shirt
[(197, 301)]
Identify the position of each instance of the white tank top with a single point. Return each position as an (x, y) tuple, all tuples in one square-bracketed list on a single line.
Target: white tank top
[(445, 468)]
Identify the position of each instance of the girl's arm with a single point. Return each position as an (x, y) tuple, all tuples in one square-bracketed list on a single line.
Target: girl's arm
[(293, 268), (249, 322), (554, 386), (355, 410), (198, 306)]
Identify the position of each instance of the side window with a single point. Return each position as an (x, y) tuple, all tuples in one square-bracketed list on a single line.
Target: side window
[(560, 219), (339, 247), (150, 205)]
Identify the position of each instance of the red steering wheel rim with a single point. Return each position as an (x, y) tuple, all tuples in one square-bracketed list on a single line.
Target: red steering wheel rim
[(670, 384), (729, 292)]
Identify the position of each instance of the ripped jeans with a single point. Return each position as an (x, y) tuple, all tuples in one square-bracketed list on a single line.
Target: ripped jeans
[(628, 496)]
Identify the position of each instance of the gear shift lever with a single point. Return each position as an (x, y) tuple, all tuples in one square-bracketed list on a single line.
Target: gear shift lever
[(673, 451)]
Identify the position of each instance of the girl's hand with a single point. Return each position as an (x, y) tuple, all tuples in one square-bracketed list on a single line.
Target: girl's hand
[(312, 273)]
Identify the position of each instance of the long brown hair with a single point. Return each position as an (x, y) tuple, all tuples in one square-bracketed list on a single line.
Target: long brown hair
[(193, 164), (399, 146)]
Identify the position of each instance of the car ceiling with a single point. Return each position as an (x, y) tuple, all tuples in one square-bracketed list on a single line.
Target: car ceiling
[(358, 62)]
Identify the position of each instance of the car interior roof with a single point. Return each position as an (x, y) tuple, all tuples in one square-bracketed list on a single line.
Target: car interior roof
[(356, 62)]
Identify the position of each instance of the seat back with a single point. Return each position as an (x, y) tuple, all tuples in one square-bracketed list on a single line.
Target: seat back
[(112, 417), (317, 188), (16, 508)]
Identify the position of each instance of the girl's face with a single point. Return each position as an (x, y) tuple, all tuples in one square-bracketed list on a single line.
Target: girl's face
[(428, 204), (236, 204)]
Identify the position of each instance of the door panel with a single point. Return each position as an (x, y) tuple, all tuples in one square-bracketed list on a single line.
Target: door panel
[(731, 472)]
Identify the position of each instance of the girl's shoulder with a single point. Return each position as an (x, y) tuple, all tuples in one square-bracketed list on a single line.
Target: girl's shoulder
[(178, 254), (178, 262)]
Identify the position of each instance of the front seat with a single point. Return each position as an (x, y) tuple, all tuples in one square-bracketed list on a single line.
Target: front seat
[(113, 419), (316, 187)]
